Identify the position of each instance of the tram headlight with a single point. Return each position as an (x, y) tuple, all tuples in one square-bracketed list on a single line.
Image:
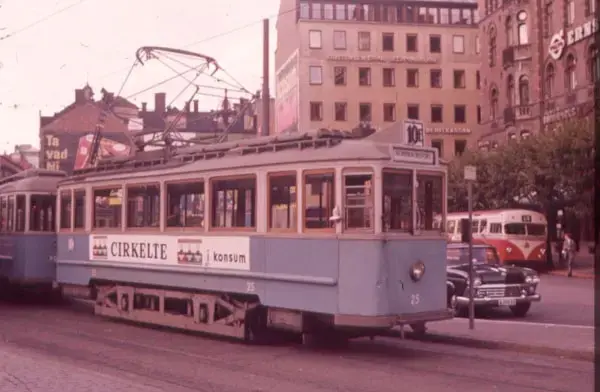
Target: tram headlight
[(417, 270)]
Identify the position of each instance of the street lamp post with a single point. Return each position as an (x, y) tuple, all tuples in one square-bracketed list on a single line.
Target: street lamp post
[(470, 177)]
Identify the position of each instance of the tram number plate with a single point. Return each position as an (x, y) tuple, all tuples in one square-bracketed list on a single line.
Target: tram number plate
[(250, 287), (507, 302), (415, 299)]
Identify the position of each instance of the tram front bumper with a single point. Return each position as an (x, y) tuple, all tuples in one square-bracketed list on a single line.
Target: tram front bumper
[(385, 322)]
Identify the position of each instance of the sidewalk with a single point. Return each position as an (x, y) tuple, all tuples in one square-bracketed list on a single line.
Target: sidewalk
[(575, 342), (584, 266)]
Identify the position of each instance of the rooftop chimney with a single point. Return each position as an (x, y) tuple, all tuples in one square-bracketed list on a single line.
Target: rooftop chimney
[(144, 106), (187, 107), (195, 106), (160, 102), (79, 95)]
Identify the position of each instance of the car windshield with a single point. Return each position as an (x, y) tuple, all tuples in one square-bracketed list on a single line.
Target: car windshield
[(456, 256)]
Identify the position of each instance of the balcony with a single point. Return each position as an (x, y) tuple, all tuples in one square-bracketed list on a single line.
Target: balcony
[(516, 53), (517, 113)]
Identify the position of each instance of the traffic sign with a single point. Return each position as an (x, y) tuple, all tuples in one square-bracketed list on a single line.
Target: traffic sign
[(470, 173), (414, 133)]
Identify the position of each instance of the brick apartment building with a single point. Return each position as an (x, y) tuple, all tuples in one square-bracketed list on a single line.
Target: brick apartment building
[(341, 63), (539, 64)]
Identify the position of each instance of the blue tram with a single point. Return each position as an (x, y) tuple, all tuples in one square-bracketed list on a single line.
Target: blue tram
[(308, 233), (27, 229)]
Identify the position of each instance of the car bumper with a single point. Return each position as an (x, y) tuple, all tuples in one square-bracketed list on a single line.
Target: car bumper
[(505, 301)]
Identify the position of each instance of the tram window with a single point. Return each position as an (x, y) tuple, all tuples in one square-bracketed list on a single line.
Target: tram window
[(79, 203), (41, 214), (319, 200), (107, 208), (233, 203), (143, 206), (185, 203), (65, 210), (3, 213), (283, 207), (358, 201), (397, 202), (10, 214), (429, 199), (20, 214)]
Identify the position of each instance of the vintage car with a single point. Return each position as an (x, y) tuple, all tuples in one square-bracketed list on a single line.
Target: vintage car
[(494, 284)]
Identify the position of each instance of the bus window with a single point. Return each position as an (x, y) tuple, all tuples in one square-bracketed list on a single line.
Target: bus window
[(514, 229), (536, 229), (495, 228), (475, 226), (482, 225), (451, 226)]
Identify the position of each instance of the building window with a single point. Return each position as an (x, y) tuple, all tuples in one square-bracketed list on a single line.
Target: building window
[(570, 72), (108, 204), (435, 44), (435, 78), (458, 44), (389, 77), (341, 111), (570, 5), (477, 45), (547, 22), (340, 12), (143, 206), (304, 10), (493, 104), (364, 112), (478, 114), (438, 144), (459, 78), (283, 211), (523, 91), (397, 201), (340, 76), (389, 112), (339, 39), (319, 200), (593, 70), (314, 39), (316, 11), (412, 111), (316, 111), (460, 146), (444, 16), (522, 33), (364, 76), (460, 114), (437, 114), (315, 74), (233, 202), (358, 201), (411, 43), (549, 80), (364, 40), (328, 11), (185, 205), (510, 90), (387, 42), (590, 7), (412, 78), (492, 47), (508, 28), (477, 80)]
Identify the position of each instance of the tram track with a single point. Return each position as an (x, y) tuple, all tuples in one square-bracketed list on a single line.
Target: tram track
[(136, 350)]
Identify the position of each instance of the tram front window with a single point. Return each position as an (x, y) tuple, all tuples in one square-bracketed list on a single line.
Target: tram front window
[(41, 215), (107, 208), (79, 203), (358, 201), (397, 201), (319, 200), (429, 200)]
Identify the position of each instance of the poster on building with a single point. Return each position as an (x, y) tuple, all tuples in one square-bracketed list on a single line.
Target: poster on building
[(286, 98), (70, 151)]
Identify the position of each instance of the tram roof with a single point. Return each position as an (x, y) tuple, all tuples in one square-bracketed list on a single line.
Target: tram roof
[(32, 180), (297, 148)]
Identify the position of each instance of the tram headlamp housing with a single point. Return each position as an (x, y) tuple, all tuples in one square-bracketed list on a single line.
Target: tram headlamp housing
[(417, 270)]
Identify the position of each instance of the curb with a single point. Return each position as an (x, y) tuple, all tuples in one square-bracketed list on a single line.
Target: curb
[(576, 274), (466, 341)]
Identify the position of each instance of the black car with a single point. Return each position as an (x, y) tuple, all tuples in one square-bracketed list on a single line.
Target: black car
[(495, 284)]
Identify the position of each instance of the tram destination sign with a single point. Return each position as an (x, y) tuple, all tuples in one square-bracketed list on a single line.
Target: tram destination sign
[(411, 155), (231, 253)]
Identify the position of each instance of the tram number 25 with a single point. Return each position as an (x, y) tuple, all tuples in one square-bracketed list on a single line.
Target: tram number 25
[(415, 299), (250, 287)]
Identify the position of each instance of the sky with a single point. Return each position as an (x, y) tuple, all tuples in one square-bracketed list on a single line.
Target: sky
[(45, 57)]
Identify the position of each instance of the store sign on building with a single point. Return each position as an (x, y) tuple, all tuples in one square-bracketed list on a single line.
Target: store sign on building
[(560, 41), (409, 155), (448, 131), (381, 59)]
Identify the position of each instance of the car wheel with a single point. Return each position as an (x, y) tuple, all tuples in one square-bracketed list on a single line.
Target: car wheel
[(520, 310)]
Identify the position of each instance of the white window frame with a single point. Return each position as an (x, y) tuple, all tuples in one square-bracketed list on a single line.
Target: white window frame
[(314, 81), (570, 12), (339, 40), (315, 39), (458, 44)]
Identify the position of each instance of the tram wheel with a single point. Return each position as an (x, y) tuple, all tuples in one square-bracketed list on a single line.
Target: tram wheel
[(255, 326)]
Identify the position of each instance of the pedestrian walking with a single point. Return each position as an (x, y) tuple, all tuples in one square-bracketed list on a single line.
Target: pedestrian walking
[(568, 252)]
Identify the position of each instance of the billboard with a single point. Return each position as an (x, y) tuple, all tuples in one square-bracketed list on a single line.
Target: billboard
[(287, 96), (70, 151)]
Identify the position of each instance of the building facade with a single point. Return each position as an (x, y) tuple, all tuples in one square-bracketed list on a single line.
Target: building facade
[(342, 63), (538, 68)]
